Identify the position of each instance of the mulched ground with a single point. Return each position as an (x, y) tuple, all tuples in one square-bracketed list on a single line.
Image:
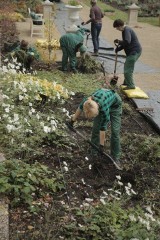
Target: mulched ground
[(87, 177)]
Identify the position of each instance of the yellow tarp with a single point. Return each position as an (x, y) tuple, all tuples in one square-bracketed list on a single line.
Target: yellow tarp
[(135, 93)]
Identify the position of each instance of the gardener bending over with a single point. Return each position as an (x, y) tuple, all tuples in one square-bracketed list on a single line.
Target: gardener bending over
[(132, 48), (70, 44), (104, 105), (25, 54)]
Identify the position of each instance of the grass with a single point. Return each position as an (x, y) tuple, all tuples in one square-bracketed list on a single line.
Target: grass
[(124, 15), (87, 83), (155, 21)]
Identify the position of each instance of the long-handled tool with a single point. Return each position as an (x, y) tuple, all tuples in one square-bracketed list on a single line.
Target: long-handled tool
[(115, 78), (87, 37), (93, 145)]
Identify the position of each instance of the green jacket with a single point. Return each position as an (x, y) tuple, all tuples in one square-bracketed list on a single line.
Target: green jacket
[(72, 41)]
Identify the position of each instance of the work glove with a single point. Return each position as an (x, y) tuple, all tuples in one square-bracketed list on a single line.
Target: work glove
[(116, 41), (114, 80), (116, 50), (70, 124), (87, 31)]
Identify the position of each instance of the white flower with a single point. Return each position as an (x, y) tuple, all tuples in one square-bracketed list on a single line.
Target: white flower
[(4, 69), (150, 216), (7, 109), (16, 117), (88, 199), (21, 97), (118, 177), (53, 128), (72, 93), (10, 65), (64, 110), (30, 104), (33, 110), (23, 145), (53, 122), (5, 96), (132, 218), (37, 116), (5, 115), (66, 168), (105, 193), (80, 225), (90, 166), (46, 129), (102, 201), (28, 130), (129, 185), (120, 183), (86, 204), (118, 192), (64, 163), (5, 60), (132, 191), (13, 71), (83, 181), (58, 95), (148, 208), (42, 124), (10, 127), (86, 158)]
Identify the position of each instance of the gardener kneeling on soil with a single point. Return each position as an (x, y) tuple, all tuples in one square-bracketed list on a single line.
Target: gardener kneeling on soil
[(25, 54), (104, 105), (71, 43)]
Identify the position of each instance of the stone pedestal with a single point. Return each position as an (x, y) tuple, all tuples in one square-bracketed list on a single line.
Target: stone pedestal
[(47, 9), (133, 14), (73, 15)]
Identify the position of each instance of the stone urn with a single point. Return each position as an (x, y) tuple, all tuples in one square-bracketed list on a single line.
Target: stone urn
[(73, 15)]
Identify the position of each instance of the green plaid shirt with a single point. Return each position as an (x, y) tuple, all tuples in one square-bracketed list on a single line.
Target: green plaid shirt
[(105, 98)]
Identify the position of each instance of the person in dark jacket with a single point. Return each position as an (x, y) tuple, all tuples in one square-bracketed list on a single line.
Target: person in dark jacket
[(132, 48), (104, 105), (96, 16), (70, 44), (25, 54)]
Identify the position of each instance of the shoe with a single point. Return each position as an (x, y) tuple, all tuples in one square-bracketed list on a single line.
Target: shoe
[(95, 54), (62, 69), (128, 88), (123, 84), (74, 71)]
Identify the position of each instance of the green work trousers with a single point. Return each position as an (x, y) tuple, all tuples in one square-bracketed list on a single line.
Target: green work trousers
[(115, 118), (72, 58), (129, 69)]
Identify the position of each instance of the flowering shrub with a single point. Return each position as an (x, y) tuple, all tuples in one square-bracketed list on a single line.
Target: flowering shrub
[(109, 218), (23, 123)]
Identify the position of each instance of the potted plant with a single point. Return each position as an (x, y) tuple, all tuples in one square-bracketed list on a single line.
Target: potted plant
[(73, 8)]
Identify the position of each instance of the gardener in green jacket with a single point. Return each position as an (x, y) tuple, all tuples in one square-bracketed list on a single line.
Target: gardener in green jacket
[(104, 105), (25, 54), (132, 48), (70, 44)]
